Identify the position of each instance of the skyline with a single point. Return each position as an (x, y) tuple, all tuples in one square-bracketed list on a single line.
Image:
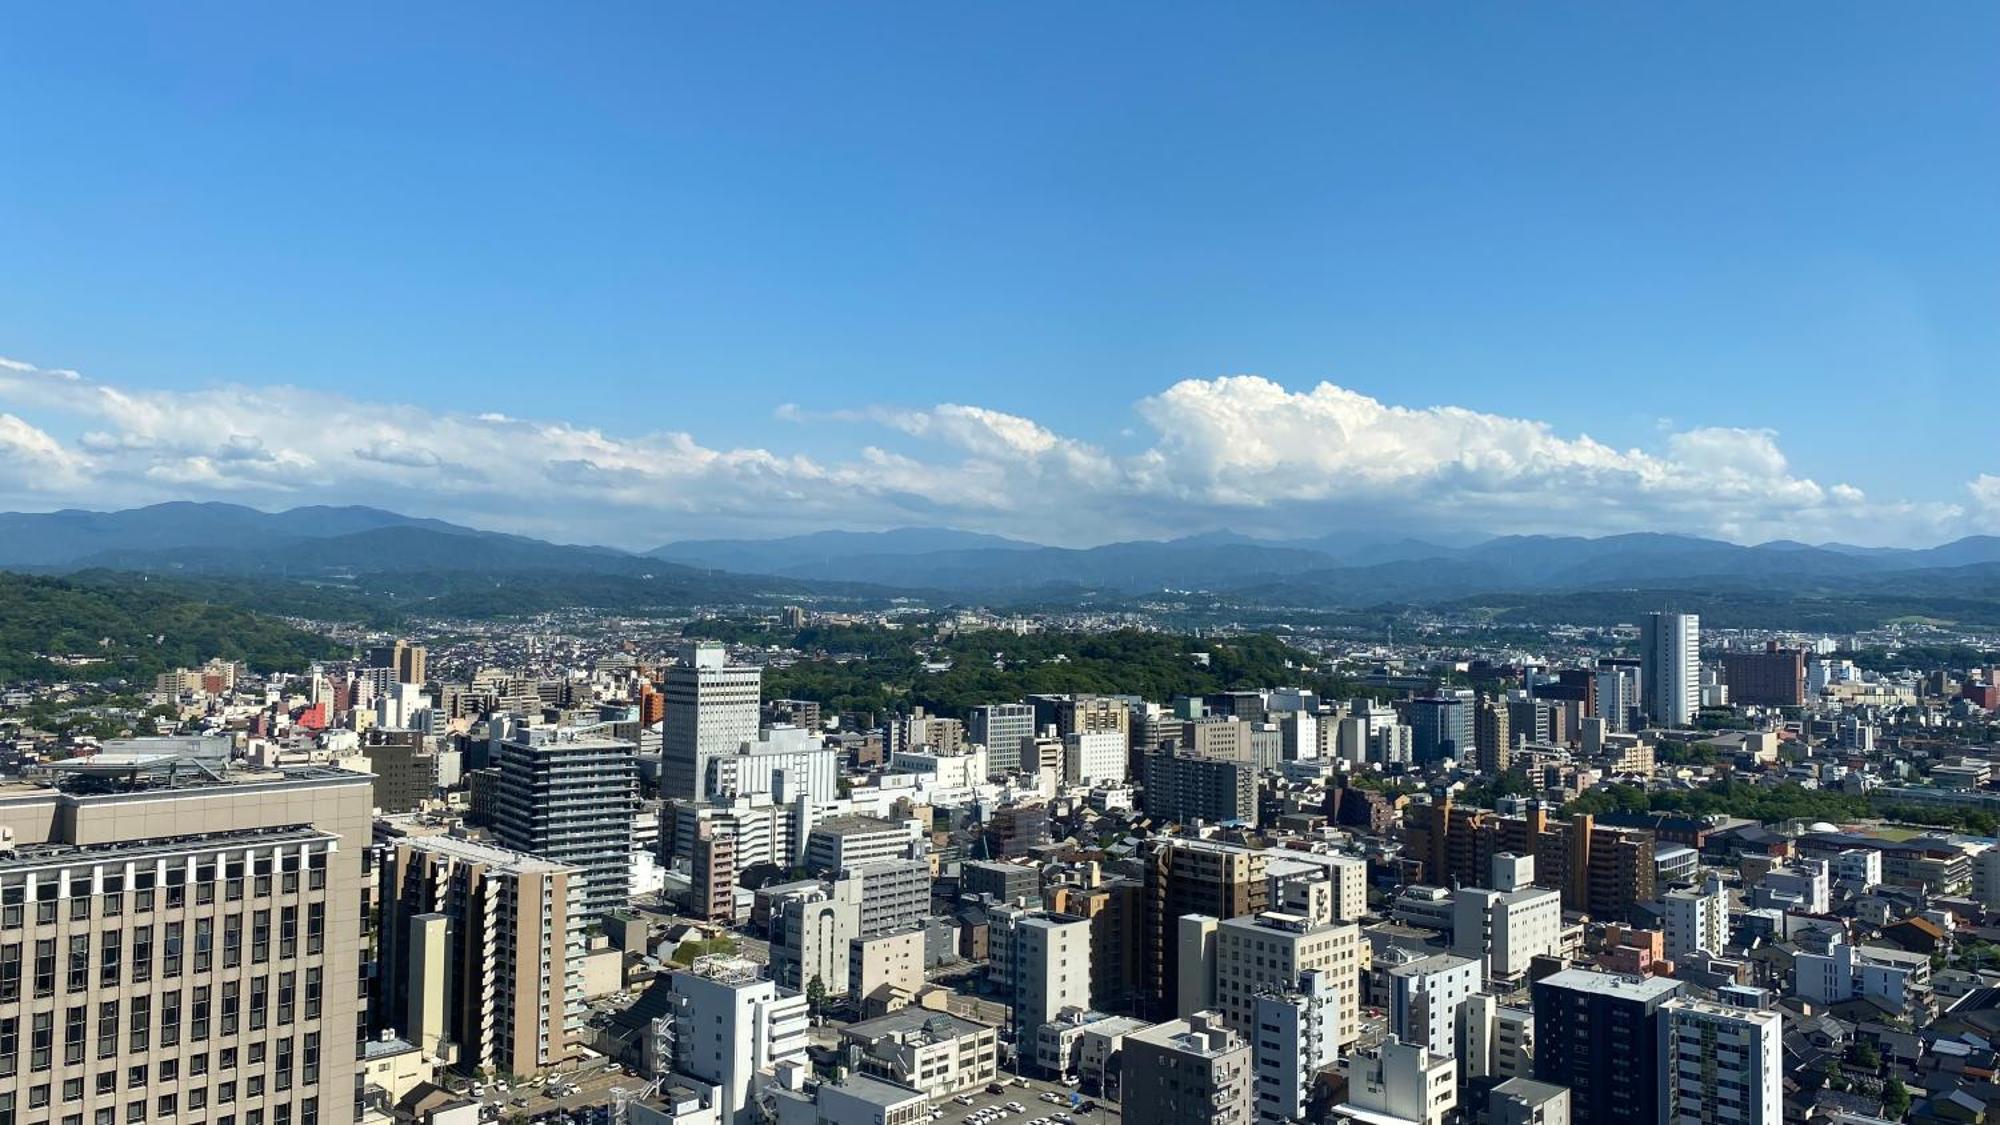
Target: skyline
[(1577, 270)]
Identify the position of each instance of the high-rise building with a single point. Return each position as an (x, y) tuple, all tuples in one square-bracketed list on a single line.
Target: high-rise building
[(1041, 962), (1507, 928), (1721, 1064), (712, 710), (1616, 688), (172, 945), (1297, 1036), (728, 1024), (1440, 728), (1400, 1081), (1192, 877), (481, 948), (569, 796), (1095, 757), (1187, 788), (1696, 920), (1775, 677), (1194, 1071), (1271, 950), (1599, 1034), (1492, 735), (1002, 728), (1670, 668), (404, 661), (1425, 995), (810, 932)]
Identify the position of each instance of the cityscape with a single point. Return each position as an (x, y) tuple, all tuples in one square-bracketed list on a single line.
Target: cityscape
[(646, 564)]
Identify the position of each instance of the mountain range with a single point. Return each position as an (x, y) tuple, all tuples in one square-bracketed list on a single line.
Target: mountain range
[(368, 548)]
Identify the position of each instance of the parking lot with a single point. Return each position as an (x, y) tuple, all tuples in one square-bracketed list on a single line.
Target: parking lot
[(1032, 1106)]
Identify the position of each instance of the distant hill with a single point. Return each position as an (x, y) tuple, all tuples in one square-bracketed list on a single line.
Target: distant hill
[(65, 538), (134, 632), (792, 552)]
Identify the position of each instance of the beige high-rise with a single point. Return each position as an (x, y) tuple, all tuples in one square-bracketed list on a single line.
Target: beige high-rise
[(186, 953)]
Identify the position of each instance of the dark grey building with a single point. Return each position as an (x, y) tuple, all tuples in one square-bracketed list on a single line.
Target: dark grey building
[(1599, 1034), (1008, 882), (1185, 788), (570, 797)]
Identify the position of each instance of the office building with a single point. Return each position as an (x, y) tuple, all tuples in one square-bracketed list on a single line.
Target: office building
[(728, 1025), (403, 660), (1440, 728), (1507, 928), (570, 796), (712, 872), (895, 894), (712, 710), (1524, 1101), (1095, 757), (1041, 963), (810, 934), (850, 841), (936, 1052), (1495, 1040), (1271, 950), (1194, 1071), (481, 949), (887, 970), (1002, 728), (1005, 882), (1721, 1064), (1696, 920), (1775, 677), (1492, 736), (1425, 995), (1670, 668), (1617, 689), (1187, 789), (1599, 1035), (1191, 877), (1297, 1035), (1400, 1082), (177, 946)]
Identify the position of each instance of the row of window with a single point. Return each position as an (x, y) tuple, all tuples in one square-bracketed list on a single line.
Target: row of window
[(225, 1007), (112, 963), (168, 1106), (144, 884)]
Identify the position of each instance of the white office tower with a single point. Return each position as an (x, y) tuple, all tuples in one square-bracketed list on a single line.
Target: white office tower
[(1618, 699), (1041, 961), (1298, 1035), (727, 1025), (711, 711), (1400, 1082), (1508, 926), (1720, 1064), (1494, 1040), (1350, 740), (1002, 728), (1697, 920), (1393, 745), (1670, 668), (1424, 998), (1095, 757)]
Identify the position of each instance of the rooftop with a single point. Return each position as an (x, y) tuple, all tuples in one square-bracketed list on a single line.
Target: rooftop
[(35, 855), (1612, 984), (855, 825), (933, 1026), (472, 851)]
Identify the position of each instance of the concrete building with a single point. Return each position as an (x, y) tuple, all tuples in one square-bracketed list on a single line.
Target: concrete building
[(1507, 928), (155, 926), (1670, 668), (1397, 1083), (887, 968), (1775, 677), (569, 796), (936, 1052), (1440, 728), (810, 935), (712, 710), (1191, 877), (1720, 1064), (1002, 728), (1006, 882), (1599, 1035), (1187, 788), (1524, 1101), (1297, 1035), (1095, 757), (728, 1025), (481, 948), (894, 894), (1425, 995), (1803, 886), (1272, 950), (1495, 1040), (1697, 920), (1041, 963), (779, 766), (1194, 1071), (850, 841)]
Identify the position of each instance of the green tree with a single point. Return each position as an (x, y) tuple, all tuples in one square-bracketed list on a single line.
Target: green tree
[(815, 994), (1895, 1099)]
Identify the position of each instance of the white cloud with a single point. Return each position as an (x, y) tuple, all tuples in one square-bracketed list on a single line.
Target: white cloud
[(1240, 451)]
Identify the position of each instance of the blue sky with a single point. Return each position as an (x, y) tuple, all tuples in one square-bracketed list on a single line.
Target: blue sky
[(1621, 222)]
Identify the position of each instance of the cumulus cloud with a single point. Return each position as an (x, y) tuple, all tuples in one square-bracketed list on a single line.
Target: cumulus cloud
[(1239, 451)]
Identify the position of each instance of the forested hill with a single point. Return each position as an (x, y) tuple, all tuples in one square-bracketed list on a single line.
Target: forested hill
[(993, 666), (134, 632)]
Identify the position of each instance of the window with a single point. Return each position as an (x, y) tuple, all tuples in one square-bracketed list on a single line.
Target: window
[(281, 1065), (168, 1105), (142, 954), (198, 1015), (79, 908), (38, 1097), (232, 941), (309, 1111), (45, 910), (76, 1025), (79, 962), (45, 967), (170, 1018), (197, 1065), (232, 996), (260, 936), (287, 994), (312, 992), (204, 888), (309, 1059), (315, 927), (10, 1045), (170, 956), (256, 1053), (10, 972), (204, 944), (72, 1089), (225, 1059), (288, 932), (139, 1025), (42, 1041), (316, 876), (107, 1029), (225, 1093), (260, 991), (111, 959), (170, 1070), (114, 895), (107, 1080), (135, 1110)]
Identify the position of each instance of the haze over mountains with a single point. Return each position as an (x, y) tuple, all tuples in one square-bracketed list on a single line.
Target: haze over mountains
[(336, 543)]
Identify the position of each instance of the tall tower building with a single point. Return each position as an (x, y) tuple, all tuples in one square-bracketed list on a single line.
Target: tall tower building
[(1002, 728), (1720, 1064), (1192, 877), (1492, 735), (1599, 1034), (711, 711), (182, 945), (1670, 668), (568, 796)]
